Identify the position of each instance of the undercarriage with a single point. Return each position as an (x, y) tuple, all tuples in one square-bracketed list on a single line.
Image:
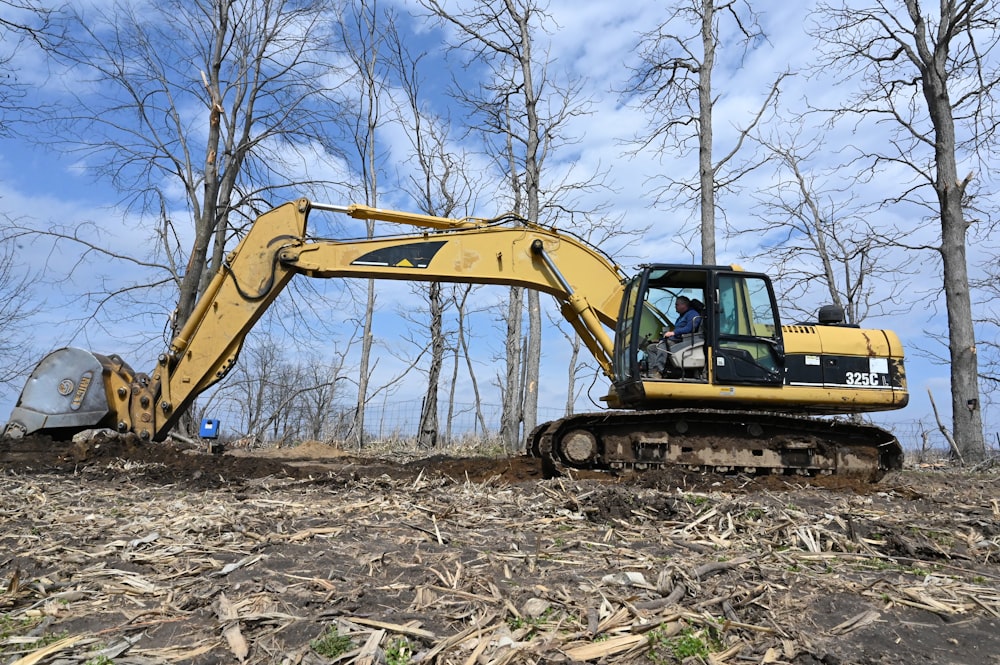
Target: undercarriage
[(715, 440)]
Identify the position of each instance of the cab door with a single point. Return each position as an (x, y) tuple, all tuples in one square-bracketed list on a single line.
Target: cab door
[(746, 331), (628, 336), (647, 311)]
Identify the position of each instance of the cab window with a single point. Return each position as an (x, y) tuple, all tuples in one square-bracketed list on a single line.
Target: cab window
[(749, 347)]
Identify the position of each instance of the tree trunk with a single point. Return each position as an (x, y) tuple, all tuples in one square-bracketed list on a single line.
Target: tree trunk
[(510, 419), (966, 415), (706, 169), (967, 421), (532, 187), (533, 362), (463, 348), (428, 435), (574, 357), (364, 368)]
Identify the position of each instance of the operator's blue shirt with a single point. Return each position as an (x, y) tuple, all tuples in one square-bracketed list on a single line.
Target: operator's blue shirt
[(686, 322)]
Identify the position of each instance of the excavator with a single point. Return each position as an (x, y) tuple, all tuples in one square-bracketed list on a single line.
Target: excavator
[(743, 393)]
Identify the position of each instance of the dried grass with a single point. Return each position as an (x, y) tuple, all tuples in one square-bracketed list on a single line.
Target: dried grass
[(489, 572)]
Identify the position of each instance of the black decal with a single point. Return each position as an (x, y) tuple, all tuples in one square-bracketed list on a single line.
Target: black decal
[(411, 255), (843, 371)]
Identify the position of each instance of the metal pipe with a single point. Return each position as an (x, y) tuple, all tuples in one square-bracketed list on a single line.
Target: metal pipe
[(331, 207), (358, 211), (538, 249)]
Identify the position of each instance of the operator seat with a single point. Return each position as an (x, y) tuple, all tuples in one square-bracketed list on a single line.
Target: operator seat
[(689, 352)]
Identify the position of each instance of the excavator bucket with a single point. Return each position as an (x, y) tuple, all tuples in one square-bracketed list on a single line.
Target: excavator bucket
[(68, 392)]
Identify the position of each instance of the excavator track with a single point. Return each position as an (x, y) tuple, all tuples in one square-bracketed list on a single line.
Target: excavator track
[(715, 440)]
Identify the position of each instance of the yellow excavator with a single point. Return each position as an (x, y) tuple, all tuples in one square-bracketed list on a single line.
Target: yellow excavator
[(740, 393)]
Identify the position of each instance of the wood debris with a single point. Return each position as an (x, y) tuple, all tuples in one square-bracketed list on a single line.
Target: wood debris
[(447, 570)]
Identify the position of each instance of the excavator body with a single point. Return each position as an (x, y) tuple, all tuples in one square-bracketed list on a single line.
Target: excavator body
[(740, 392)]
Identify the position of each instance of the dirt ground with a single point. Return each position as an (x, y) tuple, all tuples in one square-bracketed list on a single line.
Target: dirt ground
[(113, 551)]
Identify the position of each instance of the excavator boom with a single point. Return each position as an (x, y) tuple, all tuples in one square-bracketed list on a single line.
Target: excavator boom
[(507, 251)]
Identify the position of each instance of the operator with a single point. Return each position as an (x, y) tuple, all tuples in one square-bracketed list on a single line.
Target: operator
[(687, 322)]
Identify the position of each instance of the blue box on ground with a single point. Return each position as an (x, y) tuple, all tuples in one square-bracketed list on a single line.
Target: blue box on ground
[(209, 428)]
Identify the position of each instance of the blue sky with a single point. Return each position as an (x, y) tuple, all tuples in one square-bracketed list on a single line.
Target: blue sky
[(592, 44)]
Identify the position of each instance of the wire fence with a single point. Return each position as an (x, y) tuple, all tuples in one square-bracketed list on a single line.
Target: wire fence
[(391, 421), (922, 439), (463, 423)]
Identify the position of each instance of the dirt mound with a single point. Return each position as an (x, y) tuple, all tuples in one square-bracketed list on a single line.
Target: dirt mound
[(110, 454), (306, 449)]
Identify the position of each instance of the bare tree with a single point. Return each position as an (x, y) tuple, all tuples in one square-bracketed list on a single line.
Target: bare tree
[(673, 85), (273, 396), (364, 34), (521, 111), (427, 429), (205, 98), (572, 368), (316, 407), (460, 296), (442, 186), (817, 237), (516, 344), (16, 309), (255, 386), (21, 21), (987, 307), (931, 76)]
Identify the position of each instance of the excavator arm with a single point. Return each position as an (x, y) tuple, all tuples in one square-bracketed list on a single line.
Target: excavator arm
[(74, 389)]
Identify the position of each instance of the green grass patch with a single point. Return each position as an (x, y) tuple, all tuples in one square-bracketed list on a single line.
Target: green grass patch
[(665, 649), (399, 652), (331, 643)]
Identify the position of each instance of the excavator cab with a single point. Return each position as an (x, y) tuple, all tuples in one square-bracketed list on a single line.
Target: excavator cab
[(737, 338)]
